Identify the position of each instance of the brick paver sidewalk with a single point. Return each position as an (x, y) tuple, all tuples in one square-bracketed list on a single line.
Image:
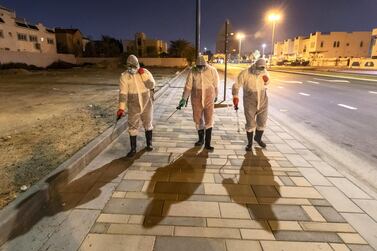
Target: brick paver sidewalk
[(180, 197)]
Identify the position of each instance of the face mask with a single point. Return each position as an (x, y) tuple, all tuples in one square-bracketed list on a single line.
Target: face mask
[(132, 70), (200, 68)]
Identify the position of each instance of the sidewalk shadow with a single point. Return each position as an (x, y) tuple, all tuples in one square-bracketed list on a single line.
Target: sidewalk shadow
[(63, 194), (187, 182), (267, 187)]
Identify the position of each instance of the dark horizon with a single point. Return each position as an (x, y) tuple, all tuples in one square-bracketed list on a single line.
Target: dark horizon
[(174, 19)]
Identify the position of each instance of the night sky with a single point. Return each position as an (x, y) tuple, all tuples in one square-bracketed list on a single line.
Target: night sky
[(173, 19)]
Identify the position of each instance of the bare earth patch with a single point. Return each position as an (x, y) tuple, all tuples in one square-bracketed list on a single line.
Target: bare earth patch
[(46, 117)]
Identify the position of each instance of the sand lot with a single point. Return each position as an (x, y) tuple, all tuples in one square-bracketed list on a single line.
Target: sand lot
[(47, 116)]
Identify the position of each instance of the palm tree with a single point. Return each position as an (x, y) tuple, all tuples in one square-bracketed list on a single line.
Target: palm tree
[(182, 49)]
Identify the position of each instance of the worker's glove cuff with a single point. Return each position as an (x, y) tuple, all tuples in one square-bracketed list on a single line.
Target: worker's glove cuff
[(120, 113)]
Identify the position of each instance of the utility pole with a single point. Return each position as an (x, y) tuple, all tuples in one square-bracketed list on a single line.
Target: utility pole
[(226, 56), (197, 40)]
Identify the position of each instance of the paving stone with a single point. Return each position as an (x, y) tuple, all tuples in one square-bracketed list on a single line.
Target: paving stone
[(191, 209), (299, 192), (285, 225), (136, 219), (97, 197), (100, 242), (286, 180), (188, 244), (338, 200), (117, 194), (339, 247), (283, 201), (130, 185), (356, 247), (179, 187), (228, 189), (326, 227), (72, 231), (134, 206), (140, 230), (352, 238), (207, 232), (215, 198), (349, 189), (238, 245), (113, 218), (369, 206), (314, 177), (277, 212), (297, 160), (156, 196), (313, 213), (319, 202), (257, 234), (265, 191), (192, 177), (330, 214), (307, 236), (99, 228), (294, 246), (233, 210), (175, 221), (146, 175), (236, 223), (325, 169)]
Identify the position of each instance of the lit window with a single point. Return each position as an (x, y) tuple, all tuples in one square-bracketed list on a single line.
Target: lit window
[(21, 37)]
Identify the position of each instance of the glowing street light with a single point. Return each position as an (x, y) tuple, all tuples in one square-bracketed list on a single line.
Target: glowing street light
[(273, 17), (263, 48), (240, 36)]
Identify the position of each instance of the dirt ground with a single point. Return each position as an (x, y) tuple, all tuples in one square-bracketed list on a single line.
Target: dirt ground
[(47, 116)]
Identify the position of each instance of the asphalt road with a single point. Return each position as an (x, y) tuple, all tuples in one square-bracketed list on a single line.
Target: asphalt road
[(343, 111)]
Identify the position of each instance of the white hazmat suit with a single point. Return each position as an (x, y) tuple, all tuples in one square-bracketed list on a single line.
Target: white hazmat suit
[(136, 94), (202, 85), (254, 81)]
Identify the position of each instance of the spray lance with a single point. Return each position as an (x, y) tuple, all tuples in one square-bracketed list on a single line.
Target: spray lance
[(177, 109)]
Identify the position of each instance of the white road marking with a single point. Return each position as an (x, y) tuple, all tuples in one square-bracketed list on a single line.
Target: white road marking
[(372, 92), (289, 81), (333, 80), (313, 82), (347, 106), (303, 94)]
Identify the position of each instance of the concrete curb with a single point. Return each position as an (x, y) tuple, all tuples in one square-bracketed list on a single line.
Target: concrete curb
[(32, 201), (324, 75)]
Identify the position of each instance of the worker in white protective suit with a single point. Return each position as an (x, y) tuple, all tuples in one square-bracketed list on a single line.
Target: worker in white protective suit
[(202, 85), (136, 94), (254, 81)]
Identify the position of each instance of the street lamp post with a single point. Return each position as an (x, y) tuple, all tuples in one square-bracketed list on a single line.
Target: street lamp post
[(274, 18), (197, 38)]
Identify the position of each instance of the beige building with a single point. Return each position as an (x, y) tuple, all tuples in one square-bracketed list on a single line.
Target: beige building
[(69, 41), (145, 47), (17, 34), (233, 44), (374, 44), (321, 45)]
